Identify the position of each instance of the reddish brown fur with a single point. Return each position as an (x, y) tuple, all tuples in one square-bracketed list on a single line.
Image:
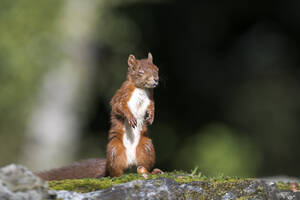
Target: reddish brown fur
[(150, 109), (142, 74), (145, 153), (92, 168), (116, 156)]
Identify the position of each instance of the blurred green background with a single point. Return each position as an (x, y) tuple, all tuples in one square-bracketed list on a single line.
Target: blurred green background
[(228, 100)]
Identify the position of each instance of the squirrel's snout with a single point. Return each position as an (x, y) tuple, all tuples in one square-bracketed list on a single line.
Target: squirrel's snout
[(156, 80)]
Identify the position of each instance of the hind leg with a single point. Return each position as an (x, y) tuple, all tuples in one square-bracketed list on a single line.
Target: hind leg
[(145, 155), (116, 158)]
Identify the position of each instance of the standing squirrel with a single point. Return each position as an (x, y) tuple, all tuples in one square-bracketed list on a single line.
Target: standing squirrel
[(132, 109)]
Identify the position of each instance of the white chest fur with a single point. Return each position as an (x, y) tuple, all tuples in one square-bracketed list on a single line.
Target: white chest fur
[(138, 104)]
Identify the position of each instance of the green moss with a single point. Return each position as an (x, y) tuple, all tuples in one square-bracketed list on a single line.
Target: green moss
[(87, 185), (286, 186), (214, 187)]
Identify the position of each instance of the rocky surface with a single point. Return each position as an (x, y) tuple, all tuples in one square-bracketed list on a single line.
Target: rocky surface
[(166, 188), (17, 183)]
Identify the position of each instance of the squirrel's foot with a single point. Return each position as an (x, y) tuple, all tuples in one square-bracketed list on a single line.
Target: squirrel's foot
[(157, 171), (143, 171)]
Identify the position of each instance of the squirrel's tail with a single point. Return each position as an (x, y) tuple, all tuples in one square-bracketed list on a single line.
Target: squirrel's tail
[(91, 168)]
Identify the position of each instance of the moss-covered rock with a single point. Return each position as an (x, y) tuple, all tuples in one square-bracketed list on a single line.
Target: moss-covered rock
[(16, 182), (88, 185), (175, 185)]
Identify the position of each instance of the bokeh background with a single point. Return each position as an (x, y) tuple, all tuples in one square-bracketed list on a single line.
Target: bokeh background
[(228, 100)]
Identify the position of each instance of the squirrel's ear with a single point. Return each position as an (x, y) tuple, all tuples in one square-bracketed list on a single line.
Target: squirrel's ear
[(132, 62), (150, 57)]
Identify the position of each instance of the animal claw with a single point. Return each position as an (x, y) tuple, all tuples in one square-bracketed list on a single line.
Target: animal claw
[(150, 118), (132, 121), (143, 171), (157, 171)]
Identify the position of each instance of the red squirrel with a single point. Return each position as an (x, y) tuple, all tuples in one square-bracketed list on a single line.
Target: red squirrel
[(132, 109)]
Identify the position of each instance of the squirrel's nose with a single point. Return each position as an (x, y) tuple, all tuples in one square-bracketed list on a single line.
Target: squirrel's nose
[(155, 82)]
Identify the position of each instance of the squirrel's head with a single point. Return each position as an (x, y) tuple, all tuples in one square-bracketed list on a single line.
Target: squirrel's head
[(143, 72)]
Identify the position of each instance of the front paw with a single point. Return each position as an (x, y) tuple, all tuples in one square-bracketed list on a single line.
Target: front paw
[(150, 117), (132, 121)]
